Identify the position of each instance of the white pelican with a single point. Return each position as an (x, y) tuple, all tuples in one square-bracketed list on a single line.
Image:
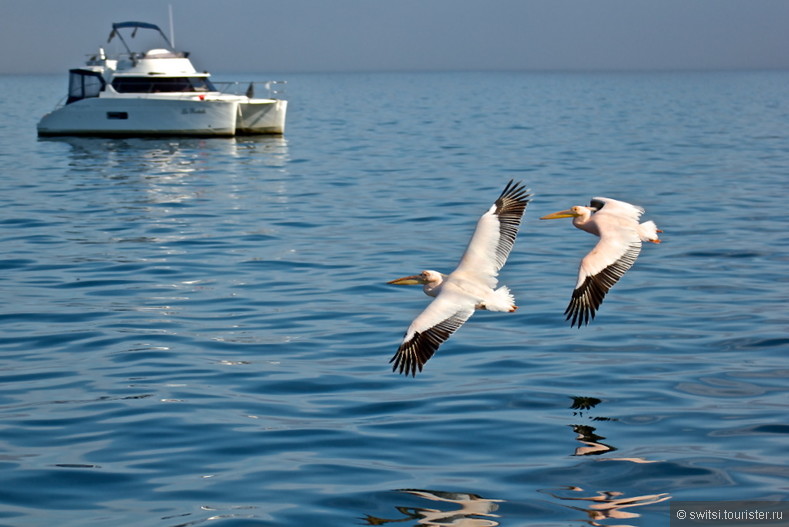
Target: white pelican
[(616, 223), (470, 286)]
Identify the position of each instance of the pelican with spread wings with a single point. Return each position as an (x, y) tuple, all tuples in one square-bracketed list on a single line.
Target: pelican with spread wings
[(617, 225), (471, 286)]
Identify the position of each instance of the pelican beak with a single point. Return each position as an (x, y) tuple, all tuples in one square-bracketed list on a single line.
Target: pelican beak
[(408, 280), (561, 214)]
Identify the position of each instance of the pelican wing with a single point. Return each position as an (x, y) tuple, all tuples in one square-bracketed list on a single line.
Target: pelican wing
[(621, 209), (495, 234), (442, 317), (610, 259)]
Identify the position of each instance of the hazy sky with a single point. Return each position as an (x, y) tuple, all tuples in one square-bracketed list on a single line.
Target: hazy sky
[(50, 36)]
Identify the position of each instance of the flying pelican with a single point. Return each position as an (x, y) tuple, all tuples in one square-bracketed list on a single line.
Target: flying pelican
[(616, 223), (470, 286)]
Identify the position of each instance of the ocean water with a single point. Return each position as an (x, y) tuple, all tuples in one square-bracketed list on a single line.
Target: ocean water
[(197, 331)]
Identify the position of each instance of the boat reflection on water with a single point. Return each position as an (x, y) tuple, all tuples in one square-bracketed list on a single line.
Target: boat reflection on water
[(461, 510), (173, 153), (157, 178), (171, 170)]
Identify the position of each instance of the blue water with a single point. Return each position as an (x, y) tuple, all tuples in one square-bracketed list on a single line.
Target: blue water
[(198, 330)]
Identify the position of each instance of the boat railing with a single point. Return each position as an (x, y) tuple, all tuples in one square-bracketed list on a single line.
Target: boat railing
[(260, 89), (61, 103)]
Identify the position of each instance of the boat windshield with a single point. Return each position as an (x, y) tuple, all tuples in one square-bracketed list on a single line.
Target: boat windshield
[(161, 84), (83, 84)]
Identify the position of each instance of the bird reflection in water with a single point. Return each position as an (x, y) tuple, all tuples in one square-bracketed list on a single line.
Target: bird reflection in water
[(587, 435), (473, 511), (592, 443), (607, 505), (602, 505)]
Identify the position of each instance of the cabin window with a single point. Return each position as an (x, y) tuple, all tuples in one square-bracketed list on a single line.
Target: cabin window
[(83, 84), (161, 84), (117, 115)]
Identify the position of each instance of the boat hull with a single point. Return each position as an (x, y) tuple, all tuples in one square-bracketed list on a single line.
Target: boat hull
[(261, 116), (142, 116)]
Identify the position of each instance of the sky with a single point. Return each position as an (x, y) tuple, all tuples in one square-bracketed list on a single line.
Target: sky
[(260, 36)]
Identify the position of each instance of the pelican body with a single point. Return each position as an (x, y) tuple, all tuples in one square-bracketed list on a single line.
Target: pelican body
[(617, 225), (471, 286)]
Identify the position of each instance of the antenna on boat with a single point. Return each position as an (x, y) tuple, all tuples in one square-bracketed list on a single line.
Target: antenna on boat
[(172, 31)]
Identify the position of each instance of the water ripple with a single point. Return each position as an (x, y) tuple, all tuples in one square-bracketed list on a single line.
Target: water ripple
[(198, 331)]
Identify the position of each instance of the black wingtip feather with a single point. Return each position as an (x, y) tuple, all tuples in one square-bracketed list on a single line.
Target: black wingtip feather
[(587, 298), (510, 206), (412, 355), (514, 191)]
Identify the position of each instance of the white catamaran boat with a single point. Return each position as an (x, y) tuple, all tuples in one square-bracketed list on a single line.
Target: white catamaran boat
[(157, 92)]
